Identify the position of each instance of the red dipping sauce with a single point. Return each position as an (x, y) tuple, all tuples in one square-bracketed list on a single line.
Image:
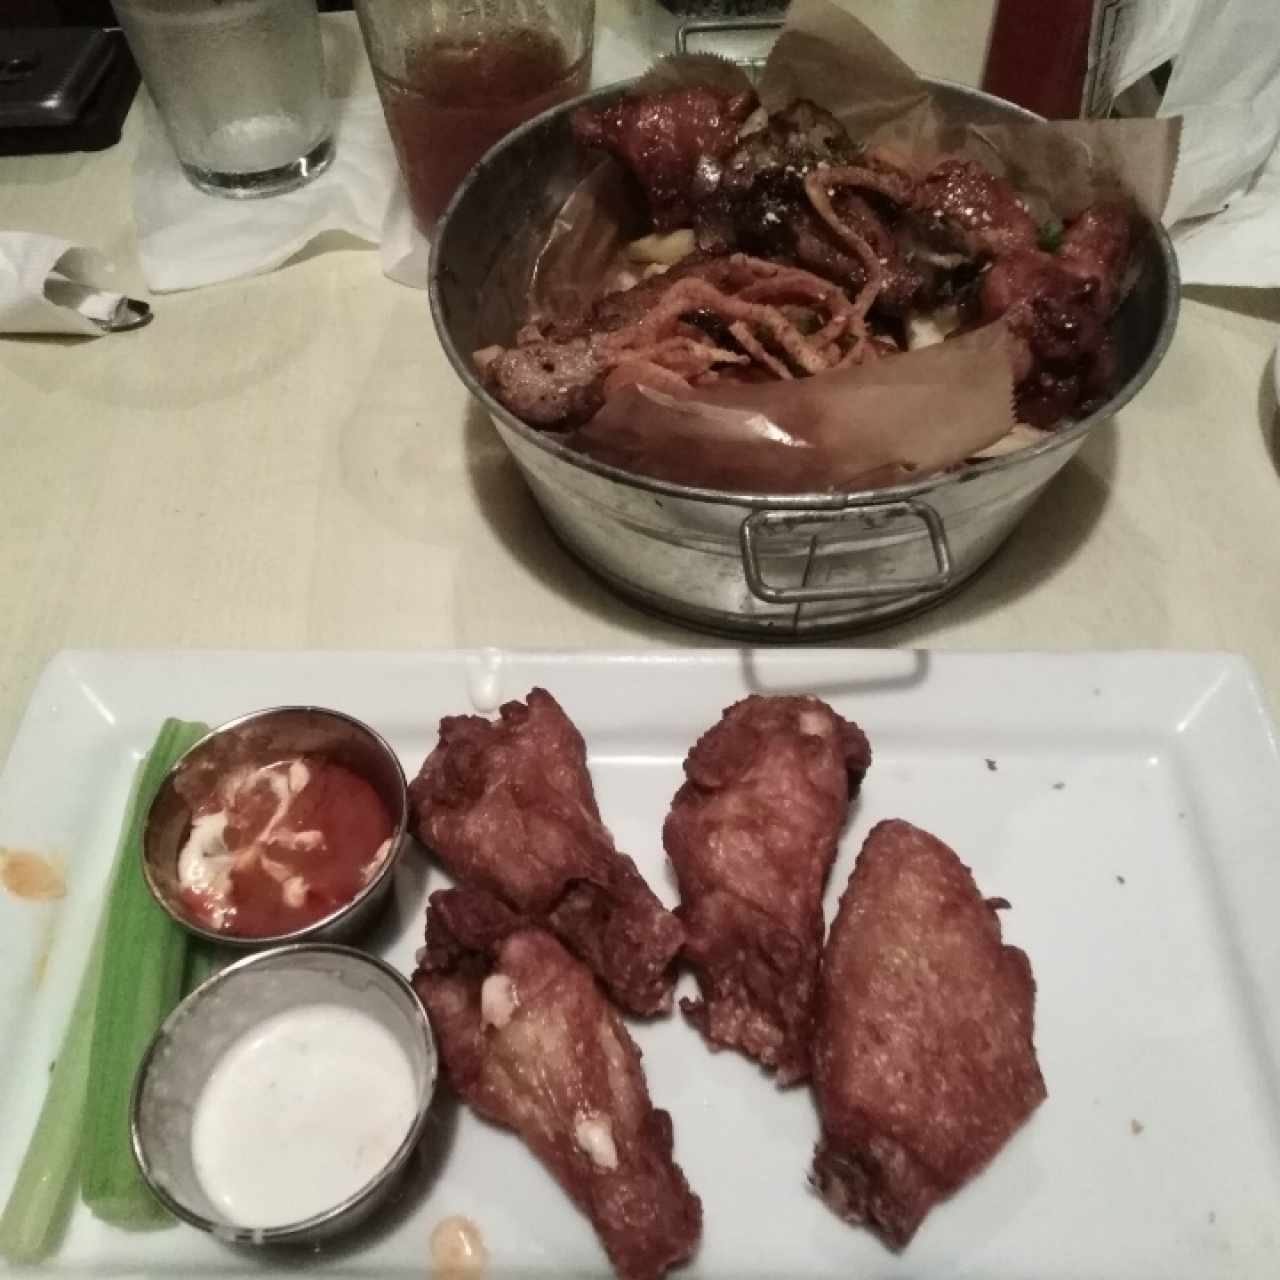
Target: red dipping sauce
[(459, 97), (276, 847)]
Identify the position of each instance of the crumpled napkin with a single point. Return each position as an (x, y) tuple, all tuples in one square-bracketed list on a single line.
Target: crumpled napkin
[(49, 285), (1225, 202), (1224, 208), (187, 238)]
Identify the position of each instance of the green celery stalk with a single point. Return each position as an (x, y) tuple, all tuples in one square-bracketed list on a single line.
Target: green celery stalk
[(204, 959), (39, 1204), (143, 967)]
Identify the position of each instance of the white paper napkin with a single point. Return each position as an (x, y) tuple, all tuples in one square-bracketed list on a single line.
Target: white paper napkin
[(1224, 208), (49, 285), (187, 238)]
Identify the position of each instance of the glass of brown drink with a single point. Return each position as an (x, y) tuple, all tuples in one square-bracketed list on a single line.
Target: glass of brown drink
[(455, 77)]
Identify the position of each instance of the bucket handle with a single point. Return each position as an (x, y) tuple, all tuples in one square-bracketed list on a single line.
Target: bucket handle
[(716, 26), (759, 521)]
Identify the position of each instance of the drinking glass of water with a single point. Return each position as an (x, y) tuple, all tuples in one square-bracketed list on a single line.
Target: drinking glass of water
[(239, 85)]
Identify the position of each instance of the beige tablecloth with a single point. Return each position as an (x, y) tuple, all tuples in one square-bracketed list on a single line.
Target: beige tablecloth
[(288, 461)]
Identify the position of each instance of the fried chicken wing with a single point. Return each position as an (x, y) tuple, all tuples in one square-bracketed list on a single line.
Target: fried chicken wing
[(751, 834), (923, 1061), (508, 806), (528, 1041)]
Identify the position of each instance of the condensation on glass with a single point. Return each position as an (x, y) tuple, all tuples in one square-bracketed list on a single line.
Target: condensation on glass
[(239, 85)]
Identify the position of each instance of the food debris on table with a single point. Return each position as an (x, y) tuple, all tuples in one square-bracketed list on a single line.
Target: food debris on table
[(1136, 1127), (991, 765), (457, 1250), (1120, 880), (31, 876)]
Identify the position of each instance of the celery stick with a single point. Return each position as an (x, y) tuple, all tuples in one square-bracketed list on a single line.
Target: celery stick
[(143, 964), (39, 1204), (204, 959)]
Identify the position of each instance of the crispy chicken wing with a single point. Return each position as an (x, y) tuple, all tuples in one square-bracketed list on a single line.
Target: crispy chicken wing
[(508, 806), (529, 1041), (751, 835), (923, 1062)]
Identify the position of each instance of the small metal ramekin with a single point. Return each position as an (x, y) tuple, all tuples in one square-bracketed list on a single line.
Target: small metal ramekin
[(211, 1019), (261, 737)]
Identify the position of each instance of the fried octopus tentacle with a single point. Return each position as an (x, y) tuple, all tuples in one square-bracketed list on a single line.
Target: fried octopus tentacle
[(757, 351), (692, 294), (817, 185)]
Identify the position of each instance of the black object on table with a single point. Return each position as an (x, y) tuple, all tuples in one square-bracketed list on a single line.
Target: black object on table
[(63, 89)]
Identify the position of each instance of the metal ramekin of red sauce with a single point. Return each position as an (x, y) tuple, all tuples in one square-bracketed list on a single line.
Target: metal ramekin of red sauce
[(281, 825)]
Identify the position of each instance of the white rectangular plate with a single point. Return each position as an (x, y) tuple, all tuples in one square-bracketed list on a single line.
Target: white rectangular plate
[(1128, 805)]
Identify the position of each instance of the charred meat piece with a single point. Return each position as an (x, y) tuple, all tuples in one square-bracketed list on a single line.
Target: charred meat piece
[(508, 806), (751, 834), (796, 139), (530, 1043), (923, 1061), (759, 204), (663, 137), (1098, 246), (958, 205), (773, 218), (548, 383), (1059, 305)]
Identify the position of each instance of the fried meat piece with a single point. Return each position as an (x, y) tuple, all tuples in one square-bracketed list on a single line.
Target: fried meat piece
[(508, 806), (965, 207), (1058, 306), (548, 383), (664, 137), (923, 1061), (751, 834), (530, 1043)]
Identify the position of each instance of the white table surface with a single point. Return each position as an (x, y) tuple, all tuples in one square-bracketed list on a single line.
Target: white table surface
[(288, 461)]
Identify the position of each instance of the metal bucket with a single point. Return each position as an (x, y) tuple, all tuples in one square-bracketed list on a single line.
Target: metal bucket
[(795, 567)]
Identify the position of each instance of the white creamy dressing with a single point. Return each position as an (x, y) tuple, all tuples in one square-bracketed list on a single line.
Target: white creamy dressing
[(205, 863), (301, 1113), (379, 857), (594, 1135), (498, 1000)]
